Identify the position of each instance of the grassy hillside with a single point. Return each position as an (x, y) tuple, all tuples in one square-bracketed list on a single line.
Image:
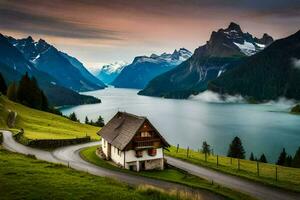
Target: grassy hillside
[(288, 178), (43, 125), (26, 178)]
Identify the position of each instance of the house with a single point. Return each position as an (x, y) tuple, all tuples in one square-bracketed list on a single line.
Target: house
[(133, 142)]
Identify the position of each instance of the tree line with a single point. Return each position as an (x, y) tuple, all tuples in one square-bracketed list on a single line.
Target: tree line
[(99, 122), (27, 92), (236, 150)]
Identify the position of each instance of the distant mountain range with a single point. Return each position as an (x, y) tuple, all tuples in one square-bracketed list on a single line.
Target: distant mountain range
[(224, 48), (267, 75), (108, 73), (144, 68), (69, 72), (54, 72)]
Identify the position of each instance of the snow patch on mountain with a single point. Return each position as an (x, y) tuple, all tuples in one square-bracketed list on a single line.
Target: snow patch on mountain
[(115, 67), (175, 58), (260, 45), (247, 48)]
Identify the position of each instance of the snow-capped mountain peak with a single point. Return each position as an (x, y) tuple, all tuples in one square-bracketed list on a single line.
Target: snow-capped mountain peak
[(182, 54), (114, 67), (175, 58), (109, 72), (232, 41)]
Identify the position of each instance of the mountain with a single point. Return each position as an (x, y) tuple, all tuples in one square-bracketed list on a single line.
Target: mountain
[(84, 72), (48, 59), (144, 68), (109, 72), (13, 65), (267, 75), (225, 47)]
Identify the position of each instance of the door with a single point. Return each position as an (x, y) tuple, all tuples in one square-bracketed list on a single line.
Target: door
[(142, 165), (108, 150)]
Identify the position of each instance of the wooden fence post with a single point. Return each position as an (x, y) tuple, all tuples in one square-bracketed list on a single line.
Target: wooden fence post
[(177, 148), (205, 157), (187, 152), (238, 164), (257, 167), (217, 160), (276, 174), (231, 160)]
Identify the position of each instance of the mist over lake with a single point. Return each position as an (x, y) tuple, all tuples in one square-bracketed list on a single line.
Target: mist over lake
[(263, 128)]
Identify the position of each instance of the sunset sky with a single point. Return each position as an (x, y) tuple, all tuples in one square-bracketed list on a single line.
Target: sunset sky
[(98, 32)]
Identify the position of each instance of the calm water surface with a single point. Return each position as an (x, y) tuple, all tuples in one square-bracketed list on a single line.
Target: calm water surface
[(263, 128)]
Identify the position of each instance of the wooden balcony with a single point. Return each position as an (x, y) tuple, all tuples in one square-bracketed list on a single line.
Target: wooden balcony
[(146, 142)]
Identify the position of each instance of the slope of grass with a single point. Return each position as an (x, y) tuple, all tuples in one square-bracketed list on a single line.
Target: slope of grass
[(42, 125), (287, 178), (26, 178), (169, 174)]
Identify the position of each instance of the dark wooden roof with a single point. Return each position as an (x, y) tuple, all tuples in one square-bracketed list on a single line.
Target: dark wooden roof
[(120, 130)]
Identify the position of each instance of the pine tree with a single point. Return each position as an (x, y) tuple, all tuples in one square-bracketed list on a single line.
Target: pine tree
[(24, 92), (100, 121), (263, 158), (73, 117), (205, 148), (12, 92), (35, 94), (296, 159), (236, 149), (288, 161), (29, 94), (251, 157), (3, 86), (282, 158), (44, 102), (86, 120)]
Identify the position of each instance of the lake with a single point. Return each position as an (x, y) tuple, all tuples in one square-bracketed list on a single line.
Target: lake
[(263, 128)]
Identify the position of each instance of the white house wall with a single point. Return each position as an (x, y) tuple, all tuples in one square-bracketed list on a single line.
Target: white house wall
[(104, 146), (117, 158), (130, 155)]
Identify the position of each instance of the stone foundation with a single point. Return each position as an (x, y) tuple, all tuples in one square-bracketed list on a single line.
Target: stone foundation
[(154, 164)]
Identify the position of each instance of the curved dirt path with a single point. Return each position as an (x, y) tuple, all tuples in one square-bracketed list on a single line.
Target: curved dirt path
[(252, 188), (70, 156)]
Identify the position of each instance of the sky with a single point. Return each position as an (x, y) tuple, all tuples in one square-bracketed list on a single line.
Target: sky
[(99, 32)]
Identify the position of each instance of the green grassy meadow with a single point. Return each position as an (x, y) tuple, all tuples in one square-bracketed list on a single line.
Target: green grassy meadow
[(43, 125), (169, 174), (287, 177), (22, 177)]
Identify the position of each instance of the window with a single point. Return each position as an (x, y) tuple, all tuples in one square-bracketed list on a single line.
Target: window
[(104, 143), (152, 152), (145, 134), (138, 154), (119, 152)]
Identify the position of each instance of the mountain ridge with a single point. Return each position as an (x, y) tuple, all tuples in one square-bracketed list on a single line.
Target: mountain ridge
[(13, 65), (208, 62), (267, 75), (145, 68), (50, 60)]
